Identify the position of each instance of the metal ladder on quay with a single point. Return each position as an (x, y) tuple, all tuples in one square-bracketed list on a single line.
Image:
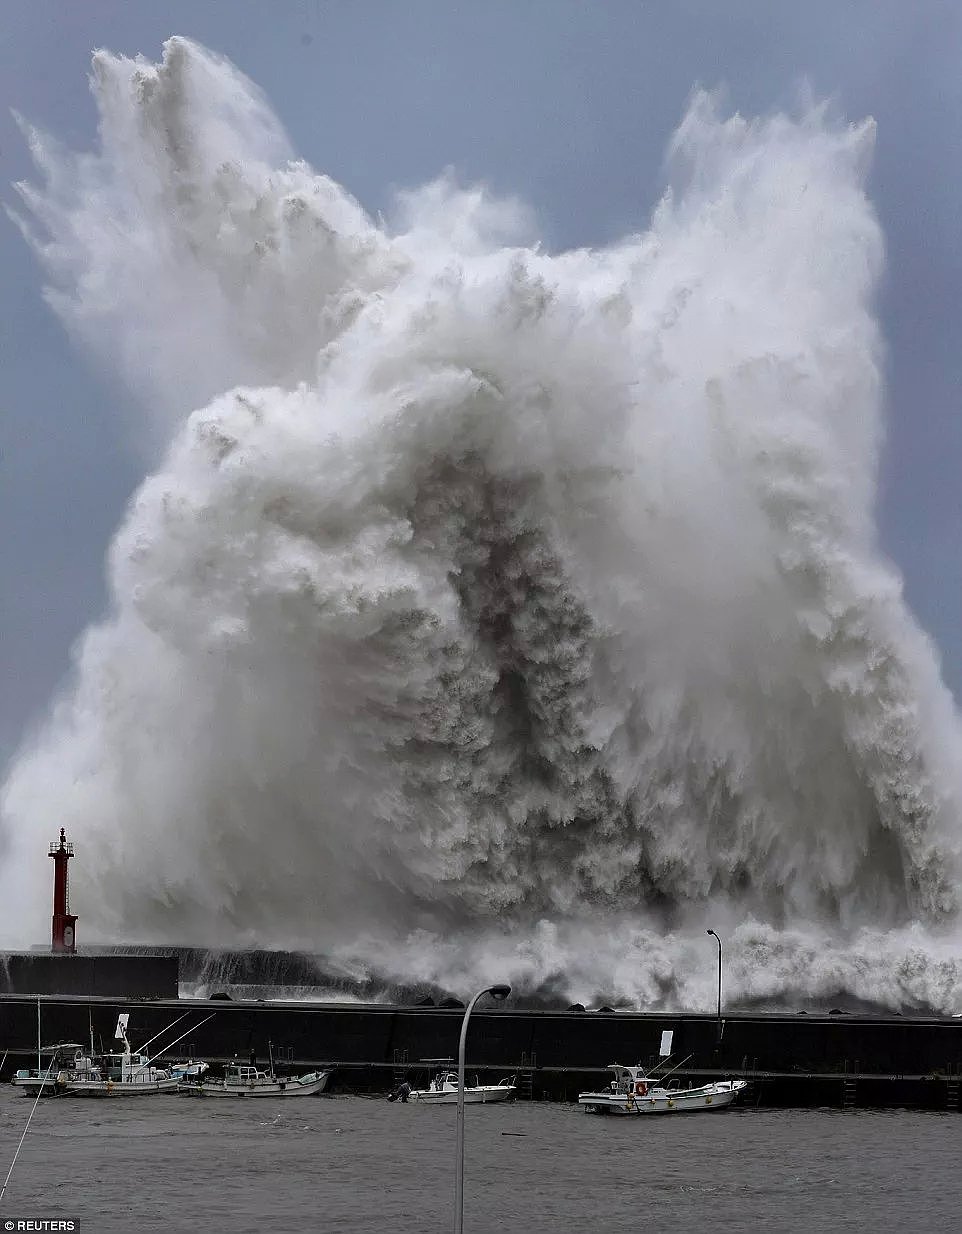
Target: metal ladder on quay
[(850, 1087), (952, 1091), (529, 1063), (749, 1072)]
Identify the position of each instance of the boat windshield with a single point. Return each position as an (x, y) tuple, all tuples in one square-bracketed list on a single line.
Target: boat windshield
[(65, 1047), (244, 1075)]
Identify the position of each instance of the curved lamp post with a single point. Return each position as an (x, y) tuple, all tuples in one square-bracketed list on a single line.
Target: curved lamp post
[(496, 991), (719, 942)]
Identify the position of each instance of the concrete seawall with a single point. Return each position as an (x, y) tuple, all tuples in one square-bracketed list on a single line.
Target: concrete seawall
[(105, 976), (790, 1059)]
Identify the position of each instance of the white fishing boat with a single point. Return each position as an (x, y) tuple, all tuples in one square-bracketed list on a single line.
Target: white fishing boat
[(634, 1091), (241, 1081), (127, 1074), (112, 1075), (68, 1059), (443, 1090), (190, 1069), (72, 1072), (123, 1073)]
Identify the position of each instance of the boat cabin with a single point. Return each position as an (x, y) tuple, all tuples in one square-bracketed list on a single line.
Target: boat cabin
[(445, 1081), (67, 1057), (445, 1078), (246, 1075), (638, 1082), (632, 1080), (132, 1068)]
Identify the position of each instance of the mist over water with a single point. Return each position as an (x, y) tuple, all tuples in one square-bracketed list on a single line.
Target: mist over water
[(490, 612)]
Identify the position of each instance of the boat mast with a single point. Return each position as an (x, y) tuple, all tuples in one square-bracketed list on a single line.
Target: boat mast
[(151, 1061), (143, 1048), (665, 1074)]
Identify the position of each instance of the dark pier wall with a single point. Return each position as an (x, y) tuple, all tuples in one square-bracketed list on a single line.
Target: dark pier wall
[(104, 976), (791, 1060)]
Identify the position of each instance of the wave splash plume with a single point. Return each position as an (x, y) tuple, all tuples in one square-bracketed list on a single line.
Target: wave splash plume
[(489, 608)]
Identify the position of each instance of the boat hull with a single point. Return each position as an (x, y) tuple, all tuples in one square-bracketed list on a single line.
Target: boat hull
[(706, 1100), (472, 1096), (111, 1089), (31, 1087), (55, 1087), (309, 1086)]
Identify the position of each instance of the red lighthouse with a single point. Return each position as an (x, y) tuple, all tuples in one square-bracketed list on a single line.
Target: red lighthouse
[(64, 932)]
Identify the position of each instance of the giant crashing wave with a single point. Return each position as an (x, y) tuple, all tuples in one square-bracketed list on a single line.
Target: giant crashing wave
[(500, 613)]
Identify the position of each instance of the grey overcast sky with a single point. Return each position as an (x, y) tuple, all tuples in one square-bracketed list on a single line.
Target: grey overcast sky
[(566, 104)]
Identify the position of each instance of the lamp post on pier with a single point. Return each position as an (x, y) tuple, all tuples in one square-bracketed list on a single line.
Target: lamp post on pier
[(499, 992), (719, 942)]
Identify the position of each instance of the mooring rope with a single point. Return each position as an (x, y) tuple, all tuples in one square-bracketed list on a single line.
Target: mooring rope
[(27, 1128)]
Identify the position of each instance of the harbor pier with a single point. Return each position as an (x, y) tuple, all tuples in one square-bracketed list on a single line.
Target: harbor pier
[(845, 1061)]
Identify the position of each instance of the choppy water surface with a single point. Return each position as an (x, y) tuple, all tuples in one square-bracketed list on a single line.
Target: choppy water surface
[(358, 1164)]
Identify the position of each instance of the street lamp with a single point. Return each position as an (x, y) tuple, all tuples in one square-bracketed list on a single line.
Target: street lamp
[(499, 992), (719, 942)]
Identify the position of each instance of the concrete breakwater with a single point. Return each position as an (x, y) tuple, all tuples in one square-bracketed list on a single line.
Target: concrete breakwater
[(791, 1060), (90, 974)]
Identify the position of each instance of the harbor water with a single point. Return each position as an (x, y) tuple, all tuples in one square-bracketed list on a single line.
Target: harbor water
[(364, 1165)]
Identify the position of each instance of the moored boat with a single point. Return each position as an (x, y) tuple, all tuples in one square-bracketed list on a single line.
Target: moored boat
[(130, 1074), (124, 1073), (634, 1091), (78, 1074), (68, 1060), (239, 1081), (72, 1072), (190, 1069), (443, 1090)]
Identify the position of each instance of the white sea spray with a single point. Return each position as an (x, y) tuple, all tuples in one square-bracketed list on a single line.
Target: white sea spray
[(490, 610)]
